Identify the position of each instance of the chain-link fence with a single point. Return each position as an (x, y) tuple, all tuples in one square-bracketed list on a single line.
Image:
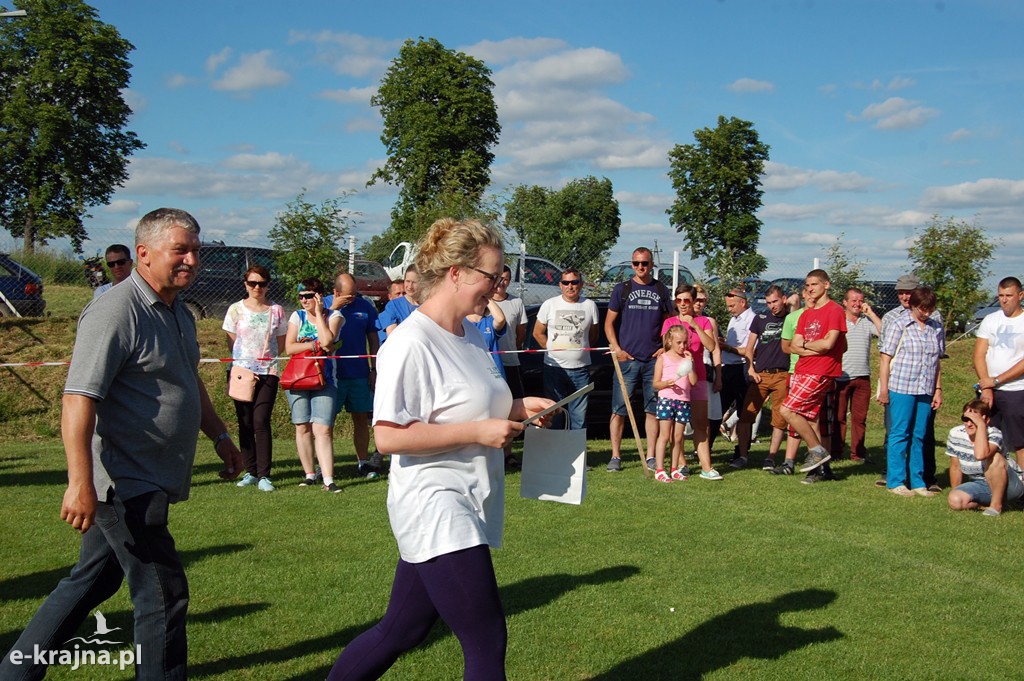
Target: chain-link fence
[(535, 277)]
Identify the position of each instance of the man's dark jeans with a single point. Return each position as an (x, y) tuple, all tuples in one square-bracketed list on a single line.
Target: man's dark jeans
[(129, 540)]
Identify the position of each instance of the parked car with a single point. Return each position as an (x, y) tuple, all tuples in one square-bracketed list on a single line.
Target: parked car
[(221, 268), (982, 311), (537, 282), (22, 289), (372, 281), (602, 374), (788, 285), (624, 270), (403, 255), (219, 281), (882, 296)]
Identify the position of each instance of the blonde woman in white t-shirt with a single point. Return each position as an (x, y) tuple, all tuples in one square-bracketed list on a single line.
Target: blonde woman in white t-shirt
[(444, 412)]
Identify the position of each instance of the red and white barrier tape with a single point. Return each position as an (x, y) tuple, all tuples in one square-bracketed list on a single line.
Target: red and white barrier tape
[(220, 360)]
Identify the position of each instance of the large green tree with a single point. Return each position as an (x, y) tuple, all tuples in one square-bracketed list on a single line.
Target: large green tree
[(718, 192), (574, 226), (440, 123), (63, 142), (952, 257), (306, 238)]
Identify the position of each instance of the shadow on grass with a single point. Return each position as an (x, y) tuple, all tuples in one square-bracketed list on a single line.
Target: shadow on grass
[(34, 478), (225, 613), (40, 584), (520, 597), (749, 631)]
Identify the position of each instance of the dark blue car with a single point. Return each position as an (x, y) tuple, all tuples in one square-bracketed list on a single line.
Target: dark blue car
[(21, 289)]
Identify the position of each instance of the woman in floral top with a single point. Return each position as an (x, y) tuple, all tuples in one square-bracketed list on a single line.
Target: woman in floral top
[(256, 329)]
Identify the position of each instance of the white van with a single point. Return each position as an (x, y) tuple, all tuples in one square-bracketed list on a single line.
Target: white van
[(534, 279)]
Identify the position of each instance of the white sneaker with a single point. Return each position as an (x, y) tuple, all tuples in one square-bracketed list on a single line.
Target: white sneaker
[(710, 475)]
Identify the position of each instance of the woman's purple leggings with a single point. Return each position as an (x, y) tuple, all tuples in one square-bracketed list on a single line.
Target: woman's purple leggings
[(458, 587)]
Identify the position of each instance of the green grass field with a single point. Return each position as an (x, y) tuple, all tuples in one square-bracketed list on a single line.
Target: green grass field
[(756, 576)]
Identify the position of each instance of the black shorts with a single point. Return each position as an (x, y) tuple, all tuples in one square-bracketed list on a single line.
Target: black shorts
[(1008, 417)]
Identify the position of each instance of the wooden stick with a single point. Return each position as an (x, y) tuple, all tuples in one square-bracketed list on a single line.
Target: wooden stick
[(629, 410)]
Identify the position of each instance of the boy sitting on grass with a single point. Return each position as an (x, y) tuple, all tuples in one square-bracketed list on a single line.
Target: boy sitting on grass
[(994, 478)]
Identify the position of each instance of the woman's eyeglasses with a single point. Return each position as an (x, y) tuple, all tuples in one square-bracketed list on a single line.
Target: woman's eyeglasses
[(487, 275), (307, 296), (257, 284)]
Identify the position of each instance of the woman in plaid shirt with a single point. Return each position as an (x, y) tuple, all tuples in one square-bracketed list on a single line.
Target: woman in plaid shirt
[(911, 384)]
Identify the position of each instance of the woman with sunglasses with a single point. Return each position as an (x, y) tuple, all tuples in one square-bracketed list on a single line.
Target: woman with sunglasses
[(444, 413), (313, 410), (702, 337), (712, 363), (255, 329)]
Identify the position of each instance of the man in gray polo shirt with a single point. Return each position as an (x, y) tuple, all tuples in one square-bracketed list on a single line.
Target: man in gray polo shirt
[(133, 405)]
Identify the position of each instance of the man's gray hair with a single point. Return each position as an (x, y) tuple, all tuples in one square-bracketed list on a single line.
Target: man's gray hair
[(156, 222)]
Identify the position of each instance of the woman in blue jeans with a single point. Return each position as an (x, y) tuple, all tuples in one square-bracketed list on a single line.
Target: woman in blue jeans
[(910, 382)]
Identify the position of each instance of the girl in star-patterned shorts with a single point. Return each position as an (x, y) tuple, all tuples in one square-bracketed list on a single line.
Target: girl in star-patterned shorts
[(674, 378)]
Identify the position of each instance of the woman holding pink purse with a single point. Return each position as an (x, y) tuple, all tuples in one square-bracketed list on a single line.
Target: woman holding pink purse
[(256, 330)]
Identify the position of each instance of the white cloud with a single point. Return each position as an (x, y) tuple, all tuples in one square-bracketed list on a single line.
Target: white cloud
[(960, 162), (555, 115), (178, 80), (987, 192), (259, 162), (503, 51), (274, 182), (350, 54), (829, 89), (749, 85), (178, 147), (122, 206), (354, 95), (897, 83), (364, 124), (788, 237), (792, 212), (134, 99), (581, 68), (896, 113), (654, 203), (959, 135), (218, 59), (782, 177), (253, 71)]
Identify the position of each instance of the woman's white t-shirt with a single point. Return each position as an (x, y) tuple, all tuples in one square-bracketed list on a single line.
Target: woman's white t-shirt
[(454, 499)]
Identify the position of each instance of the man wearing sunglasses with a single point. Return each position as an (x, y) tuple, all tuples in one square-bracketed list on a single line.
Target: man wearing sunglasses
[(636, 309), (119, 262), (565, 325), (976, 449)]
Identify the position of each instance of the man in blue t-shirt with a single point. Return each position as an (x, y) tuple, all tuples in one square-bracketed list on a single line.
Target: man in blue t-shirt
[(355, 376), (636, 310)]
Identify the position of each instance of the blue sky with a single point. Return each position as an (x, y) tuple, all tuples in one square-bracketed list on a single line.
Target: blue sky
[(878, 114)]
